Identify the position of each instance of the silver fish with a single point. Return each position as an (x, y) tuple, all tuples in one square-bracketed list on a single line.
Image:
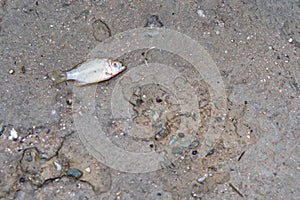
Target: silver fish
[(90, 71)]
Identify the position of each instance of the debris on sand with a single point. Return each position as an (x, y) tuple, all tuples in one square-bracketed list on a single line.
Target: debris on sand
[(76, 173), (154, 21), (13, 135)]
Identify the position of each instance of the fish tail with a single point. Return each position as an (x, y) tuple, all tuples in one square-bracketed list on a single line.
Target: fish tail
[(58, 77)]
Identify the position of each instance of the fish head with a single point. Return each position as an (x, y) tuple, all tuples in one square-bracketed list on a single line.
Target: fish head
[(115, 67)]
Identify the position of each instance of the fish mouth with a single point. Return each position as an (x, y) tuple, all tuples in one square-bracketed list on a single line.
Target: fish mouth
[(122, 68)]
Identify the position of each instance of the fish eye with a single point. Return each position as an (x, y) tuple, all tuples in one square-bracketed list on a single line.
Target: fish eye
[(115, 64)]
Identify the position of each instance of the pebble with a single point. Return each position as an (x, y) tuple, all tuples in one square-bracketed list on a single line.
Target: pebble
[(218, 119), (210, 152), (195, 144), (202, 179), (29, 158), (13, 134), (74, 173), (154, 21), (138, 102), (197, 195), (181, 135), (38, 129), (88, 170), (161, 134), (11, 71), (200, 13), (57, 166), (158, 100), (186, 143), (173, 139), (69, 102), (2, 129), (208, 142), (176, 150), (155, 116), (22, 179)]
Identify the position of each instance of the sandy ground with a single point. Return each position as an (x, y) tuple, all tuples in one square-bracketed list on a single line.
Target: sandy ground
[(47, 154)]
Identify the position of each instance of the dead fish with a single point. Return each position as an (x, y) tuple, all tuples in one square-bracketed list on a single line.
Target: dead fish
[(90, 71)]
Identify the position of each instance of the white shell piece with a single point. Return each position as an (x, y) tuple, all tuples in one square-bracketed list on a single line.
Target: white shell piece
[(13, 134)]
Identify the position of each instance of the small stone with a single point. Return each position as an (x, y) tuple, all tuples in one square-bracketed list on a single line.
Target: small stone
[(2, 129), (161, 134), (181, 135), (197, 195), (218, 119), (154, 21), (195, 144), (11, 71), (22, 179), (202, 179), (29, 158), (200, 13), (88, 170), (13, 135), (173, 139), (69, 102), (57, 166), (176, 150), (208, 142), (186, 143), (118, 193), (158, 100), (155, 116), (74, 173), (210, 152), (138, 102)]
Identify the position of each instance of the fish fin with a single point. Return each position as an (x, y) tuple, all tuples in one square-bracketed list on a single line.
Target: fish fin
[(58, 77), (77, 65), (80, 84)]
